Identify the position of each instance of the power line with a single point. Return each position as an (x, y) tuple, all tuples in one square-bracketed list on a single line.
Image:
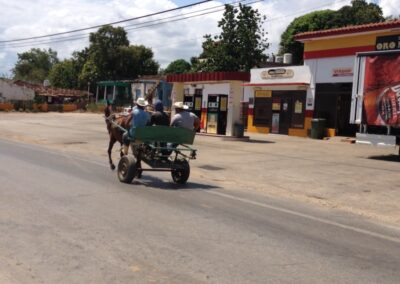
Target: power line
[(113, 23), (143, 25), (133, 27)]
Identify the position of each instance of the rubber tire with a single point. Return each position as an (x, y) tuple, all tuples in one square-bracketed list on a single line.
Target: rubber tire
[(127, 169), (180, 175)]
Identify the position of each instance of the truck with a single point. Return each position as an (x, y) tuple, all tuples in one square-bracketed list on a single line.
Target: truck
[(375, 105)]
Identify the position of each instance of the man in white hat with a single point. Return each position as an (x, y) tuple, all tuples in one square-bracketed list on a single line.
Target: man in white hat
[(139, 118), (183, 118)]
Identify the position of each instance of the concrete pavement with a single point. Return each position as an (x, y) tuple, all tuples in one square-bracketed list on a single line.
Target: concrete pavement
[(69, 220), (329, 173)]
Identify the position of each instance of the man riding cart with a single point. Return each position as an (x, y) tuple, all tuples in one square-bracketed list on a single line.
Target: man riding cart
[(162, 148)]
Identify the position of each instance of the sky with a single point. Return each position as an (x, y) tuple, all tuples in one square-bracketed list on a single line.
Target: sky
[(169, 41)]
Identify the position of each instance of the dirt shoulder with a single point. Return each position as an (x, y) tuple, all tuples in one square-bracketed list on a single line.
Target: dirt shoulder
[(355, 178)]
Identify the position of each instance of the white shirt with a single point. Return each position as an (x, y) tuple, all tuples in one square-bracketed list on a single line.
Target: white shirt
[(184, 119)]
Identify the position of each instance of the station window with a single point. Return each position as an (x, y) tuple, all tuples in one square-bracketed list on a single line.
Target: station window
[(262, 108)]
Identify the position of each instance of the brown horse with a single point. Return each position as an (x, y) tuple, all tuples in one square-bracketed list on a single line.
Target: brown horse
[(115, 133)]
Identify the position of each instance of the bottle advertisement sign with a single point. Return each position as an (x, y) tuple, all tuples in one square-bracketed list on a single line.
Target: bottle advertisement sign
[(382, 90)]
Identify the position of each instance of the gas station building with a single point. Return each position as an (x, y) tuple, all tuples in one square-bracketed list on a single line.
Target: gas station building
[(285, 99), (215, 97)]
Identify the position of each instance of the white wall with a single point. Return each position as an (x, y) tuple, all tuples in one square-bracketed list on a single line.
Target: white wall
[(9, 91), (234, 91), (209, 89), (323, 69), (248, 92), (142, 86), (328, 70)]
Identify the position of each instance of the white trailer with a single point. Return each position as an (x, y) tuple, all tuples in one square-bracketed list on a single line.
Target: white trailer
[(375, 105)]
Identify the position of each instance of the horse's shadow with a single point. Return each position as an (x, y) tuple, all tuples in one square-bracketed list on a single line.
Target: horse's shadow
[(158, 183)]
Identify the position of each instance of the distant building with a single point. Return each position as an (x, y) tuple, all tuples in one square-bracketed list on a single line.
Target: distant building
[(285, 99), (125, 92), (24, 91), (157, 86), (215, 97), (9, 91), (119, 92)]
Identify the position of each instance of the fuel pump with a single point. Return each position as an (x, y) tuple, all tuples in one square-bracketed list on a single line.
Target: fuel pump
[(217, 109)]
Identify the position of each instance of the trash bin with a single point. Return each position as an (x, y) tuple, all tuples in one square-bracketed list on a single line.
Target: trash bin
[(318, 128), (238, 130)]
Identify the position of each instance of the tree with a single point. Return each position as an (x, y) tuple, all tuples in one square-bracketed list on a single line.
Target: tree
[(111, 57), (142, 61), (105, 51), (64, 75), (318, 20), (178, 67), (252, 38), (34, 65), (89, 73), (360, 12), (240, 45)]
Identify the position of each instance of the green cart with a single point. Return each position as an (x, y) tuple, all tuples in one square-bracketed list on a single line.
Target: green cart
[(161, 148)]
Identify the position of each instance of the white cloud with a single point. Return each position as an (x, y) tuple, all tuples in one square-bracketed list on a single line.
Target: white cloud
[(390, 7), (180, 39)]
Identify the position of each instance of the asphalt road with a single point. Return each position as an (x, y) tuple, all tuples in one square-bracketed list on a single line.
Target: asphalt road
[(67, 219)]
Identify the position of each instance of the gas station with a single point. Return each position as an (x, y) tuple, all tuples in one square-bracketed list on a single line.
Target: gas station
[(214, 97)]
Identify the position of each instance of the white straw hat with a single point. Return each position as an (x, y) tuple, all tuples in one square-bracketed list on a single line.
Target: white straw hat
[(180, 105), (141, 102)]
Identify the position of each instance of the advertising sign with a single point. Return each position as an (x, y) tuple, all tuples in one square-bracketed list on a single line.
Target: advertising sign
[(342, 72), (212, 119), (277, 73), (387, 43), (382, 90)]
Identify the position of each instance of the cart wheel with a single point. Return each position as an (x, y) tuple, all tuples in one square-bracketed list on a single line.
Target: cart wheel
[(126, 168), (180, 171)]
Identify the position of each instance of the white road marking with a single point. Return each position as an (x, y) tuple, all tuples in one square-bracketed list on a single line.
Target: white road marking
[(306, 216)]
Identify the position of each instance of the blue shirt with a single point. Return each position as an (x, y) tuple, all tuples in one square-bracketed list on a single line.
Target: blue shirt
[(139, 118)]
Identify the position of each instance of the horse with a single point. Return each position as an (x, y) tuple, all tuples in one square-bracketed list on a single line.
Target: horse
[(115, 132)]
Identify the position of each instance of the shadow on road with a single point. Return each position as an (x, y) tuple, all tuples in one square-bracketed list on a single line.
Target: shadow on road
[(387, 158), (154, 182), (260, 141)]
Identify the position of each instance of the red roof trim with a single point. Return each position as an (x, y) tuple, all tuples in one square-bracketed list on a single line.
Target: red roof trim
[(277, 84), (337, 52), (348, 30), (209, 76)]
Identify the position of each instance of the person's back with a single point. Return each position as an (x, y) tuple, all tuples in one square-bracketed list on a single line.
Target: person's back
[(184, 119), (139, 117), (159, 117)]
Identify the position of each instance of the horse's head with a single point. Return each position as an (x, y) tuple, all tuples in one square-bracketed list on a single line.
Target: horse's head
[(107, 110)]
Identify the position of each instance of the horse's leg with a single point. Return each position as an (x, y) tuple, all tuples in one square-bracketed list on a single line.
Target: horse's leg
[(121, 150), (110, 146)]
